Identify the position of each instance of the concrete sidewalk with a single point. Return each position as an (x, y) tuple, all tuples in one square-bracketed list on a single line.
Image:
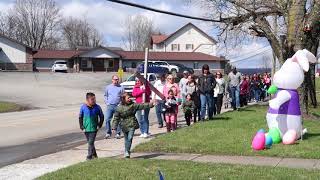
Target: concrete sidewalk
[(242, 160)]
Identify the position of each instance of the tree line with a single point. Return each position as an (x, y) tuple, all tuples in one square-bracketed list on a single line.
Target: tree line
[(39, 24)]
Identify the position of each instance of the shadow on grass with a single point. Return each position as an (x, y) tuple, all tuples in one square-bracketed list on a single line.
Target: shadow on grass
[(149, 156), (247, 110), (310, 135), (221, 118)]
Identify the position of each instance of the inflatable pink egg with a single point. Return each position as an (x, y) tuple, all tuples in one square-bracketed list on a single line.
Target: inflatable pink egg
[(289, 137), (258, 142)]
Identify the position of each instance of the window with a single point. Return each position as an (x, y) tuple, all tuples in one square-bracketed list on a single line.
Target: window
[(175, 47), (195, 65), (133, 65), (189, 46), (86, 63), (110, 63)]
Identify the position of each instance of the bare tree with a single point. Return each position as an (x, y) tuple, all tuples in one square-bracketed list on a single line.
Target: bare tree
[(78, 32), (34, 22), (266, 62), (138, 30), (298, 27)]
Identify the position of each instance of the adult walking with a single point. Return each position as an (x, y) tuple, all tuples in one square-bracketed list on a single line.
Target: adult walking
[(171, 86), (112, 95), (159, 84), (244, 89), (182, 83), (234, 78), (206, 84), (140, 90), (220, 87), (191, 88)]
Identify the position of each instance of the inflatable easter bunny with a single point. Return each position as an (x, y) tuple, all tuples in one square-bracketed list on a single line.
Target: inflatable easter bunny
[(284, 110)]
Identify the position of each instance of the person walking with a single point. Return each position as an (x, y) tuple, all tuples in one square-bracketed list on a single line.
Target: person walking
[(159, 84), (112, 96), (191, 88), (182, 83), (256, 86), (188, 107), (142, 115), (244, 88), (171, 112), (221, 90), (206, 84), (90, 121), (234, 78), (125, 117), (171, 85)]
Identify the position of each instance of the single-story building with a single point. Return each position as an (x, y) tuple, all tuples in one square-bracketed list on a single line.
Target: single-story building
[(18, 56), (15, 55), (105, 59)]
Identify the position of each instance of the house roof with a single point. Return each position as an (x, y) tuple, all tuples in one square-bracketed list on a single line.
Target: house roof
[(173, 56), (156, 39), (55, 54), (162, 38), (15, 41)]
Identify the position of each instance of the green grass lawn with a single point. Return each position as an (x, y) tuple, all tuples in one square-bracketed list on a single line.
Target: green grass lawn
[(148, 169), (316, 112), (231, 134), (9, 107)]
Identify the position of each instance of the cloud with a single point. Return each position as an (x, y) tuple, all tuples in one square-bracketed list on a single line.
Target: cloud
[(5, 6)]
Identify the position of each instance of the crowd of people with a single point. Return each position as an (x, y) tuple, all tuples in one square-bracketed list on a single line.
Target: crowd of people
[(244, 88), (198, 97)]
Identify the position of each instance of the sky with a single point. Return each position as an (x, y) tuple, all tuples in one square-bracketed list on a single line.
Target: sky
[(109, 19)]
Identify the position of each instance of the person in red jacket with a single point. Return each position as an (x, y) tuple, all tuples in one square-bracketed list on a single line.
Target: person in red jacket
[(139, 90), (244, 88)]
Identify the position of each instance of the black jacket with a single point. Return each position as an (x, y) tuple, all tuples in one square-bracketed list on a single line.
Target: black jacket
[(206, 83)]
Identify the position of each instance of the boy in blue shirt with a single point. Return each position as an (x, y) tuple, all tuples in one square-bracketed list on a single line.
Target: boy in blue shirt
[(90, 121)]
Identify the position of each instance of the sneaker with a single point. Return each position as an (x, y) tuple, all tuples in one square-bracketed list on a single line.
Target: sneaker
[(145, 135), (141, 136), (160, 126), (118, 136), (126, 155), (107, 136)]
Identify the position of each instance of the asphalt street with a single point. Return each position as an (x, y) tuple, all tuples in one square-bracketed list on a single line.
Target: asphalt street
[(53, 125)]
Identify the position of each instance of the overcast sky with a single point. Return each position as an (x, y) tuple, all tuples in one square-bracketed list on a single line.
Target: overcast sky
[(109, 18)]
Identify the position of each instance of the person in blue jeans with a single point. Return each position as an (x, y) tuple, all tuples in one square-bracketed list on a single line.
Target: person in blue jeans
[(234, 79), (159, 84), (112, 95), (206, 84)]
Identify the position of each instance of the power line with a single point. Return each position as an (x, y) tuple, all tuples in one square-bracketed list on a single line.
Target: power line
[(246, 58), (161, 11)]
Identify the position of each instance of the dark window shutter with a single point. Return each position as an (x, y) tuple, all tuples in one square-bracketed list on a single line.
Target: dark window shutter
[(178, 47), (192, 46)]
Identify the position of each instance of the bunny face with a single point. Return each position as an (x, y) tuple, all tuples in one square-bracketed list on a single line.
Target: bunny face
[(290, 75)]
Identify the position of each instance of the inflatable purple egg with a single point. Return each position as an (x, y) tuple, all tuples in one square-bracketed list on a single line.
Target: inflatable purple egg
[(258, 142)]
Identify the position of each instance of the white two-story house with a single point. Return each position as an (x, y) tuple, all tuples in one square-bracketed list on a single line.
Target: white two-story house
[(188, 38)]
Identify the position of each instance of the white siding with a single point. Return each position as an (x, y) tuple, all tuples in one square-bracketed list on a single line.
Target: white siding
[(12, 52), (190, 35), (100, 53)]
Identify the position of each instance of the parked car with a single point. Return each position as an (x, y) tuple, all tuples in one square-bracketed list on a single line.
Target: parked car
[(172, 68), (183, 68), (130, 82), (59, 66), (152, 68)]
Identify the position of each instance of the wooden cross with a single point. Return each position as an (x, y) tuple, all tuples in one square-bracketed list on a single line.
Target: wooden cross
[(155, 90)]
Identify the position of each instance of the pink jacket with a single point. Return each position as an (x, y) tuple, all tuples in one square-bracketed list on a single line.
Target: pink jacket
[(137, 92)]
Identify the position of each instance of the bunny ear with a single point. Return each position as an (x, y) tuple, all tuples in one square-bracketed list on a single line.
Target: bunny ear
[(310, 56), (301, 58)]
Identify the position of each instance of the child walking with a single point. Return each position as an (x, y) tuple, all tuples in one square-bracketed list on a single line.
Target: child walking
[(171, 111), (188, 107), (125, 117), (90, 121)]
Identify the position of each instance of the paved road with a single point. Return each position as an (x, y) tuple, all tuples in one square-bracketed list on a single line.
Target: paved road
[(51, 127)]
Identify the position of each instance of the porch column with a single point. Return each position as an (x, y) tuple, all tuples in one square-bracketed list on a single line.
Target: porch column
[(120, 63)]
